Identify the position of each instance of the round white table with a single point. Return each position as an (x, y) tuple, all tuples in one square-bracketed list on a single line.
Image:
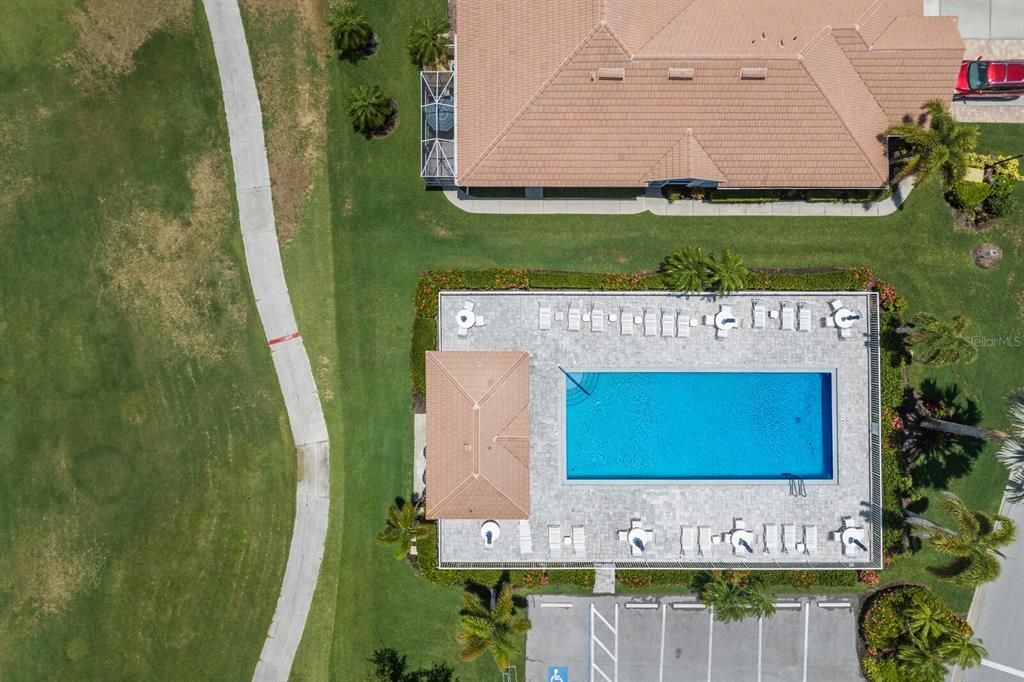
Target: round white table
[(849, 534), (637, 534), (843, 319), (491, 528), (465, 318), (738, 537), (725, 320)]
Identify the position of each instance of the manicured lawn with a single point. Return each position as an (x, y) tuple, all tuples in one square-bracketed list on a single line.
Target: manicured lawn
[(147, 493), (385, 229)]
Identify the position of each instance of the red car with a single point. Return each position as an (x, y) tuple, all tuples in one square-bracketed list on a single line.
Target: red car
[(993, 79)]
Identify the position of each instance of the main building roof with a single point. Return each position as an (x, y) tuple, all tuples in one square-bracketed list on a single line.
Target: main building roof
[(751, 93)]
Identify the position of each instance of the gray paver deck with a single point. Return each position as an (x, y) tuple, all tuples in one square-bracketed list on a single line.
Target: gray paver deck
[(512, 321)]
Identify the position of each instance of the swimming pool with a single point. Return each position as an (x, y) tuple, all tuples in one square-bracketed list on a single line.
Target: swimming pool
[(710, 426)]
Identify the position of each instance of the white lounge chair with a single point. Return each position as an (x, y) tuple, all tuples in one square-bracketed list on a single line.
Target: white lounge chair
[(463, 332), (704, 540), (810, 539), (836, 304), (771, 538), (760, 315), (574, 317), (626, 320), (579, 546), (596, 319), (788, 537), (709, 320), (805, 317), (668, 322), (544, 317), (739, 524), (829, 321), (845, 332), (650, 322), (480, 321), (788, 317), (721, 333), (555, 541), (467, 304), (683, 324), (525, 537), (688, 541)]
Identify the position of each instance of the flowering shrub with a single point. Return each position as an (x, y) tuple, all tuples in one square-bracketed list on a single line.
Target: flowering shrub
[(864, 277), (803, 579), (433, 281), (1010, 169), (868, 577), (617, 281)]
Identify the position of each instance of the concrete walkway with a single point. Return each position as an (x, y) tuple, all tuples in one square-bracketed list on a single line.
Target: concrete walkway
[(302, 402), (683, 207)]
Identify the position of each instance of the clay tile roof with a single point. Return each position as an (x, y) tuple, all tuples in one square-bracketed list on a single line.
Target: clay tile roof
[(478, 435), (533, 110)]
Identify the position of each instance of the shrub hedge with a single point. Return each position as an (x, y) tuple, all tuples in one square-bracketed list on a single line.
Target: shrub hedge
[(968, 195), (883, 624)]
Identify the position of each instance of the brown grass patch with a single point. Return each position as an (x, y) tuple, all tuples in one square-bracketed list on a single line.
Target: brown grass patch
[(175, 274), (111, 31), (50, 565), (289, 66)]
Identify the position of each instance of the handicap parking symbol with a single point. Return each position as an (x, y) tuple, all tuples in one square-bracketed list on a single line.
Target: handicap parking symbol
[(558, 673)]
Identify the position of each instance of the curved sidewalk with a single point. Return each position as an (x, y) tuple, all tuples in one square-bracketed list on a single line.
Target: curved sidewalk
[(683, 207), (266, 274)]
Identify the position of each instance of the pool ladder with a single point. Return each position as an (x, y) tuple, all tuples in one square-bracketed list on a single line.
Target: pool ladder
[(796, 486)]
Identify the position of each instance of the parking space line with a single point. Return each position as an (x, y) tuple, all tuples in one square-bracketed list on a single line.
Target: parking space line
[(807, 626), (595, 640), (661, 659), (760, 635), (711, 637), (1002, 668)]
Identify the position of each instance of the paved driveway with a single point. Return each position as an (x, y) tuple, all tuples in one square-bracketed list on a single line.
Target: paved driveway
[(666, 639), (997, 616), (983, 18)]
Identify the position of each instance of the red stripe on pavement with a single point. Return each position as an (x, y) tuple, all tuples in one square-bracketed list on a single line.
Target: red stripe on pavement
[(289, 337)]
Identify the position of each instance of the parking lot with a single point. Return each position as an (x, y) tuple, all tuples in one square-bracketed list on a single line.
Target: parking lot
[(670, 639)]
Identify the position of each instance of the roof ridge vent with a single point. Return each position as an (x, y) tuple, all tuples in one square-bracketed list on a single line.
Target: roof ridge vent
[(607, 73), (677, 73), (751, 73)]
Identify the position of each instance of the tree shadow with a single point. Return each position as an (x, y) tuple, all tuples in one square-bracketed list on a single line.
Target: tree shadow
[(391, 666), (946, 456)]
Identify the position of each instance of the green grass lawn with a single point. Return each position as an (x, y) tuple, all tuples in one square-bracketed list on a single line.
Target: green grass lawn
[(385, 229), (148, 477)]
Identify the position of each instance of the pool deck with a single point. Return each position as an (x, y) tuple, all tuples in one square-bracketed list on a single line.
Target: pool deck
[(603, 509)]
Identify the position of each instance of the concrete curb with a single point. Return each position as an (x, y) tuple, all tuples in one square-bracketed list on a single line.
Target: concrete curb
[(291, 363), (681, 208)]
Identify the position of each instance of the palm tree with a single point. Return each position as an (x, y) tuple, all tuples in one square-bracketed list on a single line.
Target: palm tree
[(963, 651), (732, 600), (727, 272), (1012, 452), (428, 42), (975, 544), (403, 529), (369, 108), (687, 269), (942, 146), (491, 628), (921, 662), (350, 31), (935, 341), (926, 622)]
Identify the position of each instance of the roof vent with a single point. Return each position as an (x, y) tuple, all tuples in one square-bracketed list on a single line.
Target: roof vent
[(680, 74), (753, 73), (611, 74)]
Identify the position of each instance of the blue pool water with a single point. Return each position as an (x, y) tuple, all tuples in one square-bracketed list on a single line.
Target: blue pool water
[(698, 425)]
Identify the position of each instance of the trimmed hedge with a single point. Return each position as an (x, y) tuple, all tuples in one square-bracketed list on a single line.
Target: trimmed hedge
[(424, 338), (968, 195)]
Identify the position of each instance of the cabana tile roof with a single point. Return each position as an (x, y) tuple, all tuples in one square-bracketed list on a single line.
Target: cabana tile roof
[(478, 431)]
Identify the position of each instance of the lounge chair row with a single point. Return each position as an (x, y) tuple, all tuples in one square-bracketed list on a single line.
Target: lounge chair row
[(671, 322), (697, 540), (576, 540)]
